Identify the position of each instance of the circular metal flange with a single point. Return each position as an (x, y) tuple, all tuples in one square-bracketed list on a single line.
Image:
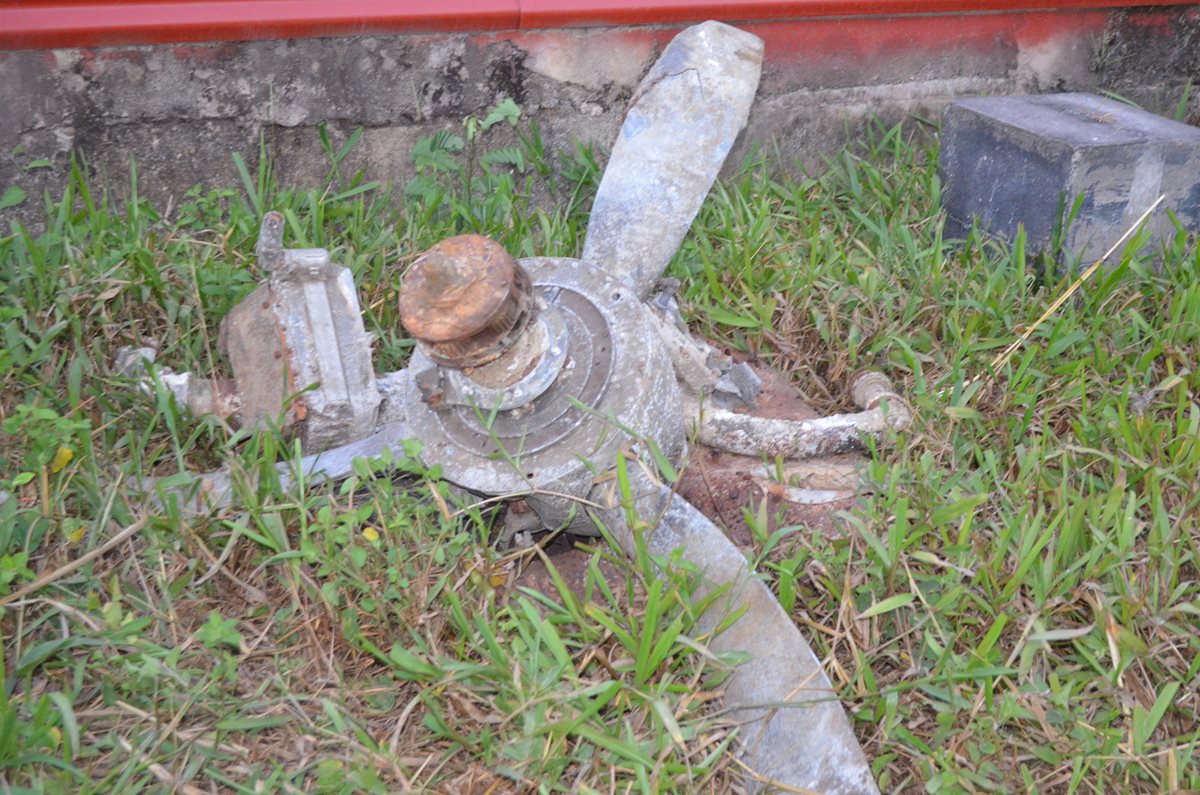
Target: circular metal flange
[(617, 381), (562, 406), (462, 390)]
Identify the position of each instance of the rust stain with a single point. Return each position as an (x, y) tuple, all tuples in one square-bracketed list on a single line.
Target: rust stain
[(298, 407), (455, 289), (465, 300)]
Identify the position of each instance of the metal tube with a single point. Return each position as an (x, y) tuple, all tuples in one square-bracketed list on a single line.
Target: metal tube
[(213, 490), (746, 434)]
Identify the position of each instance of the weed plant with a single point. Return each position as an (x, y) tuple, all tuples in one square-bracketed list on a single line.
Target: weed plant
[(1013, 607)]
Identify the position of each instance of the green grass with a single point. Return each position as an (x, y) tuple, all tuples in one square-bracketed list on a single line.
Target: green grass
[(1013, 607)]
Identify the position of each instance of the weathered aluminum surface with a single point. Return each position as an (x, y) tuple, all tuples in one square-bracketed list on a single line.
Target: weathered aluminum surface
[(746, 434), (550, 337), (793, 732), (738, 492), (213, 490), (132, 362), (701, 368), (678, 130), (218, 397), (252, 339), (552, 448), (299, 342), (619, 386)]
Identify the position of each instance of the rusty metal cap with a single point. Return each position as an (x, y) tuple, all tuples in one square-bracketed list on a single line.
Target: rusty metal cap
[(465, 300)]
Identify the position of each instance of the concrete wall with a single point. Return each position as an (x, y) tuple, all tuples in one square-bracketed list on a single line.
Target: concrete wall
[(181, 111)]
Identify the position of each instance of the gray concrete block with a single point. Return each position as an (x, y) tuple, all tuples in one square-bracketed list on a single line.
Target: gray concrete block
[(1008, 160)]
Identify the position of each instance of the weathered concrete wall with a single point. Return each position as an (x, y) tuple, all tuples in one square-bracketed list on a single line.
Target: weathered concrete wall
[(181, 111)]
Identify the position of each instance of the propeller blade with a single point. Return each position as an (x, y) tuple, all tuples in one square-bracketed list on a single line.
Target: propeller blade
[(794, 734), (678, 130)]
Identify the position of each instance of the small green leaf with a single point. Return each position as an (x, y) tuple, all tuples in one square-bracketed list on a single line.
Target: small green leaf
[(220, 631), (1146, 721), (727, 318), (411, 666), (507, 111), (334, 715), (253, 723), (888, 605), (662, 463), (668, 720), (12, 197), (66, 711), (948, 513)]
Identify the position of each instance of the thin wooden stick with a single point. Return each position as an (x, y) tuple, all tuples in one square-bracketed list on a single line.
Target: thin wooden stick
[(1008, 352), (160, 772), (67, 568)]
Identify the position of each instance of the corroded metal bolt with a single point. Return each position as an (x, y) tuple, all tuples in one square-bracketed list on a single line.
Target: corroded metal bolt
[(466, 300)]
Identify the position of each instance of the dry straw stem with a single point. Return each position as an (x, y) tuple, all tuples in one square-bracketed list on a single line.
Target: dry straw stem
[(1003, 357), (160, 772), (770, 782), (67, 568)]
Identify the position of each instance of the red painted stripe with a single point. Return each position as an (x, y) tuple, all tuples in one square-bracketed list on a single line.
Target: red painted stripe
[(55, 23), (86, 23), (574, 13)]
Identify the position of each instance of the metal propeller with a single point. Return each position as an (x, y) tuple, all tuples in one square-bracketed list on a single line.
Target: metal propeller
[(532, 377)]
